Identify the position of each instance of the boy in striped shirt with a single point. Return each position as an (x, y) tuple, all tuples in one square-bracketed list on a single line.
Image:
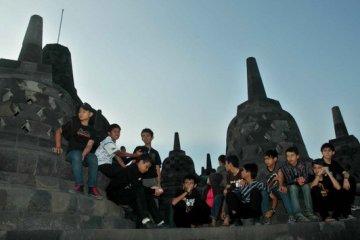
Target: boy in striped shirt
[(245, 200)]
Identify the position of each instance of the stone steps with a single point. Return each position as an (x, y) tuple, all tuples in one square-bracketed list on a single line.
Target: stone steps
[(314, 230), (14, 221), (44, 182), (43, 202)]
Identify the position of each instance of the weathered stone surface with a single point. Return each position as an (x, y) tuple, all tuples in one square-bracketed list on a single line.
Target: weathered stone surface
[(40, 201), (261, 124), (347, 147), (8, 160), (27, 161), (3, 199), (348, 230)]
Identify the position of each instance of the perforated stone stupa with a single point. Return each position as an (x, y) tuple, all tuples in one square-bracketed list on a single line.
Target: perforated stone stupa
[(347, 147), (37, 95), (261, 124)]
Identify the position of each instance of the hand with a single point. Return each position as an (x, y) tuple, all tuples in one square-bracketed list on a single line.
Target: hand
[(326, 170), (138, 153), (346, 184), (283, 189), (242, 183), (225, 191), (222, 215), (300, 181), (57, 150), (158, 191)]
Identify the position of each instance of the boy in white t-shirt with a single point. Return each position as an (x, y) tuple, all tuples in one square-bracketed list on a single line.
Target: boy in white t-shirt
[(107, 150)]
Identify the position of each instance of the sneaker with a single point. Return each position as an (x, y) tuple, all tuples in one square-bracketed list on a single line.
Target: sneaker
[(145, 220), (93, 192), (267, 221), (77, 189), (350, 217), (312, 217), (161, 223), (147, 224), (302, 219), (355, 207), (329, 219), (257, 222), (291, 219)]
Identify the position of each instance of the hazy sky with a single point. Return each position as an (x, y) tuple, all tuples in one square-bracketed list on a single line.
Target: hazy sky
[(180, 65)]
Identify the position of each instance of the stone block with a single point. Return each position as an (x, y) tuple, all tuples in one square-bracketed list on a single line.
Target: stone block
[(3, 199), (91, 222), (27, 161), (35, 234), (26, 141), (46, 182), (40, 201), (116, 223), (45, 165), (114, 210), (20, 178), (66, 222), (46, 143), (18, 199), (36, 221), (8, 160), (60, 202), (63, 168), (8, 220), (85, 204), (7, 139)]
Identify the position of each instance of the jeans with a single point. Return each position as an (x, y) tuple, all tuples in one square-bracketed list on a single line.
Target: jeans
[(294, 197), (216, 208), (265, 206), (90, 161)]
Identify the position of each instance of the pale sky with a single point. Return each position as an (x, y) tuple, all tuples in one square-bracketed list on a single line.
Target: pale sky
[(180, 65)]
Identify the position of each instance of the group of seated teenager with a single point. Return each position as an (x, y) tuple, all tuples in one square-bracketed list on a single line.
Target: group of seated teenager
[(231, 194), (327, 191), (136, 184)]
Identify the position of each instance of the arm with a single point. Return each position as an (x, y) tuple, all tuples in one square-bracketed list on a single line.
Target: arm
[(315, 182), (346, 183), (282, 187), (87, 149), (120, 161), (334, 182), (126, 154), (58, 149), (274, 201), (177, 199), (158, 178)]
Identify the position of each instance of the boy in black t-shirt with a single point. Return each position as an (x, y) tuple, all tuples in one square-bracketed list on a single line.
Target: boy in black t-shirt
[(81, 138), (325, 192), (347, 182), (126, 188), (189, 209), (152, 177)]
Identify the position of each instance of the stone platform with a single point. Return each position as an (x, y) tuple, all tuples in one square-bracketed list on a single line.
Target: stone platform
[(29, 202), (320, 231)]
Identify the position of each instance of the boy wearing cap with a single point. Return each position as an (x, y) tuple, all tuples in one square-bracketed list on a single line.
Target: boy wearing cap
[(81, 138)]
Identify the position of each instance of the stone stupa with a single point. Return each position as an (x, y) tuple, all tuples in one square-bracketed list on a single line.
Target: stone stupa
[(261, 124)]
